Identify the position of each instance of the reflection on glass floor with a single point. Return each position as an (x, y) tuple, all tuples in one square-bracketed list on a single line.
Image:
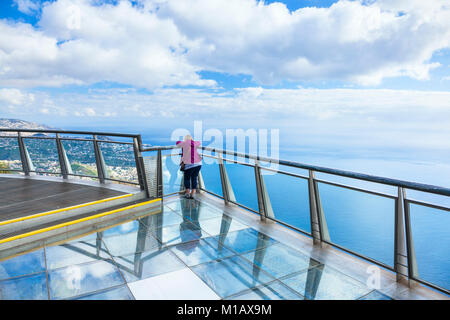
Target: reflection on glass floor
[(190, 244)]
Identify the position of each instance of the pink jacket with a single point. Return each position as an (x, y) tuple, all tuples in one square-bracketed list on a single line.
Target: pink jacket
[(190, 154)]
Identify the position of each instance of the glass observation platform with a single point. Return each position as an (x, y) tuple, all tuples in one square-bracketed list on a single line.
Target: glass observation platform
[(111, 224)]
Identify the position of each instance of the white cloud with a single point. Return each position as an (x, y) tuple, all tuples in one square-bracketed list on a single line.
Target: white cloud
[(361, 43), (15, 97), (29, 57), (81, 43), (397, 119), (166, 42), (27, 6)]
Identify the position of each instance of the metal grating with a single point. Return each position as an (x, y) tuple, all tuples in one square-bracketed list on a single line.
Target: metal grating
[(150, 167)]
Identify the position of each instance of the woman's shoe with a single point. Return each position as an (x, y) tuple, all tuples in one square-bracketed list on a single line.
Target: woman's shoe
[(191, 197), (187, 196)]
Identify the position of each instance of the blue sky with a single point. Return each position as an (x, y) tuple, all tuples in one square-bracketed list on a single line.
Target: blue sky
[(331, 75), (437, 77)]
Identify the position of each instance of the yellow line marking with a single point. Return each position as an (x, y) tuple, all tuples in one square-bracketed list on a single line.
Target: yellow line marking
[(37, 215), (98, 230), (79, 236), (65, 224)]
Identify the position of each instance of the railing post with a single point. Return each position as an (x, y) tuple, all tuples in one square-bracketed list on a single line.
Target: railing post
[(400, 254), (182, 189), (139, 160), (102, 171), (64, 163), (27, 164), (159, 176), (201, 182), (227, 189), (319, 228), (264, 205), (150, 165), (412, 261)]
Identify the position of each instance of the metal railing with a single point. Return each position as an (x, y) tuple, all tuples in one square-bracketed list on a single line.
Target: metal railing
[(92, 149), (405, 261), (149, 176)]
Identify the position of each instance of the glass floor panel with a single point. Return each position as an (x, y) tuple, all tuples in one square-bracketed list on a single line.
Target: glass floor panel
[(182, 284), (30, 287), (76, 280), (375, 295), (230, 276), (220, 225), (184, 232), (147, 264), (232, 261), (133, 242), (271, 291), (164, 219), (194, 210), (196, 252), (21, 265), (325, 283), (178, 204), (244, 240), (280, 260), (75, 253), (119, 293)]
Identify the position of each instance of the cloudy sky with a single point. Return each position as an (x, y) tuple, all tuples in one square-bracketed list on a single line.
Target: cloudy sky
[(331, 75)]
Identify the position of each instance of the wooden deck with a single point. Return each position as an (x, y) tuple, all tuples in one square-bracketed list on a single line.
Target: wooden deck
[(23, 197)]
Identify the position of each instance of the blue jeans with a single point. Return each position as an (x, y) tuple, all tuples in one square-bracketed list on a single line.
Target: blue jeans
[(190, 177)]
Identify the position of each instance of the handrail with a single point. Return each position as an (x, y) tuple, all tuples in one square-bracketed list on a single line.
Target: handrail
[(65, 167), (111, 134), (156, 148), (405, 261), (403, 247), (343, 173)]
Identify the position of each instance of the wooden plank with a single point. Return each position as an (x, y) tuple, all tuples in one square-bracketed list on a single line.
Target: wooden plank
[(31, 196)]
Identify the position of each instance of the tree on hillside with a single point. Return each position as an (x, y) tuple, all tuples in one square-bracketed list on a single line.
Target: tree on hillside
[(4, 165)]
